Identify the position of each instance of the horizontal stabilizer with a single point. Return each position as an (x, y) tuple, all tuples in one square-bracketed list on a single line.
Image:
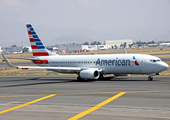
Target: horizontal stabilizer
[(23, 58)]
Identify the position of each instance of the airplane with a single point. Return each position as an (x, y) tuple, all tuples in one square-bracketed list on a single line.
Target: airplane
[(20, 52), (91, 66)]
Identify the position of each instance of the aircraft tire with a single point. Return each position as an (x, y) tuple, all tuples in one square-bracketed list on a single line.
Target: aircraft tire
[(100, 77), (79, 78), (150, 78)]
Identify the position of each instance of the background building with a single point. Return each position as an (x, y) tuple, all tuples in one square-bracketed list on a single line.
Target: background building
[(0, 50), (119, 43), (17, 50), (69, 47), (165, 44), (11, 50)]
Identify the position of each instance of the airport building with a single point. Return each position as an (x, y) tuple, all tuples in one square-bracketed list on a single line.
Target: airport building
[(69, 47), (164, 44), (89, 47), (16, 50), (11, 50), (0, 49), (96, 47), (118, 43), (81, 48)]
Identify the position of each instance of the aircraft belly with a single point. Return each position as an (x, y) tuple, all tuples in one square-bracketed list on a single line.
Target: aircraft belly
[(120, 69), (63, 71)]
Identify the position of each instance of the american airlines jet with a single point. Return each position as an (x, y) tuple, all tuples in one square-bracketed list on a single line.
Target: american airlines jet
[(91, 66)]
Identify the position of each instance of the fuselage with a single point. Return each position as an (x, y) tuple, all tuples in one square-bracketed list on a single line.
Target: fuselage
[(108, 63)]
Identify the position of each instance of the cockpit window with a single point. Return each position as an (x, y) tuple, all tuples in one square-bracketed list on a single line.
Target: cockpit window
[(155, 61)]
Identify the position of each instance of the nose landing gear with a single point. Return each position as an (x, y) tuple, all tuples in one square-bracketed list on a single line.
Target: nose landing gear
[(150, 78)]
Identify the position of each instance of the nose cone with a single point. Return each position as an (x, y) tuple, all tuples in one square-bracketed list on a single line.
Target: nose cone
[(164, 66)]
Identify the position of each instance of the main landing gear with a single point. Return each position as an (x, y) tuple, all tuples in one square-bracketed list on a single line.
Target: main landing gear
[(101, 76), (79, 78)]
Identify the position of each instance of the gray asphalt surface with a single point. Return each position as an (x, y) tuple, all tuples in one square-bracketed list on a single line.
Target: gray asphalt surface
[(143, 100)]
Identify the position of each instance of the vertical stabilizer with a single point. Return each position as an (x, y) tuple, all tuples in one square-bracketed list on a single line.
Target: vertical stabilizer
[(38, 48)]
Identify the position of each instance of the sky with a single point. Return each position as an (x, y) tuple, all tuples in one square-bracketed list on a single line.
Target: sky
[(87, 14)]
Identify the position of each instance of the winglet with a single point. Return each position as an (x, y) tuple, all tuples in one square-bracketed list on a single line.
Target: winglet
[(8, 63), (124, 51)]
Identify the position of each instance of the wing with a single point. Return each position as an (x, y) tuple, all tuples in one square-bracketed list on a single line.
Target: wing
[(76, 69)]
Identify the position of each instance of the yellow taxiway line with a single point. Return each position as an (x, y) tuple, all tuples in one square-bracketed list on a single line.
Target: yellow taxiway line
[(96, 107), (23, 105), (83, 113)]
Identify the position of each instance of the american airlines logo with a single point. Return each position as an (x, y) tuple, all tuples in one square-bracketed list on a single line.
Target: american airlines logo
[(116, 62)]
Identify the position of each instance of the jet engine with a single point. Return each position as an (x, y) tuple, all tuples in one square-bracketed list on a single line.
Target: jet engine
[(89, 74)]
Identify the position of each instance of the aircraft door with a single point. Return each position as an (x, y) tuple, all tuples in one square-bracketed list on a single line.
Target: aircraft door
[(141, 66)]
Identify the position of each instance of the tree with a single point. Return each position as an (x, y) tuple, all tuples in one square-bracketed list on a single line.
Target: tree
[(124, 45), (86, 43), (121, 46), (139, 44), (99, 43), (13, 46), (130, 45), (95, 43), (115, 46)]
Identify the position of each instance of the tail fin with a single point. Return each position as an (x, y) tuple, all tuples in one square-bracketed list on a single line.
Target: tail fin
[(38, 48)]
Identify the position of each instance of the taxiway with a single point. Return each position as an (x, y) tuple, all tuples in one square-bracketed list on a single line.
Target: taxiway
[(64, 98)]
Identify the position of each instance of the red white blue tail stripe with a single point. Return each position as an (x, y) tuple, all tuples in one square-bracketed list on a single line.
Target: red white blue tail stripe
[(38, 48)]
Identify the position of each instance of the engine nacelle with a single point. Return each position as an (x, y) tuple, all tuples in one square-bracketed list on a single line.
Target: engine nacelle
[(89, 74)]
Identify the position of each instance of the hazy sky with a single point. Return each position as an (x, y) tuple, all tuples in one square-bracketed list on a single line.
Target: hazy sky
[(89, 14)]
